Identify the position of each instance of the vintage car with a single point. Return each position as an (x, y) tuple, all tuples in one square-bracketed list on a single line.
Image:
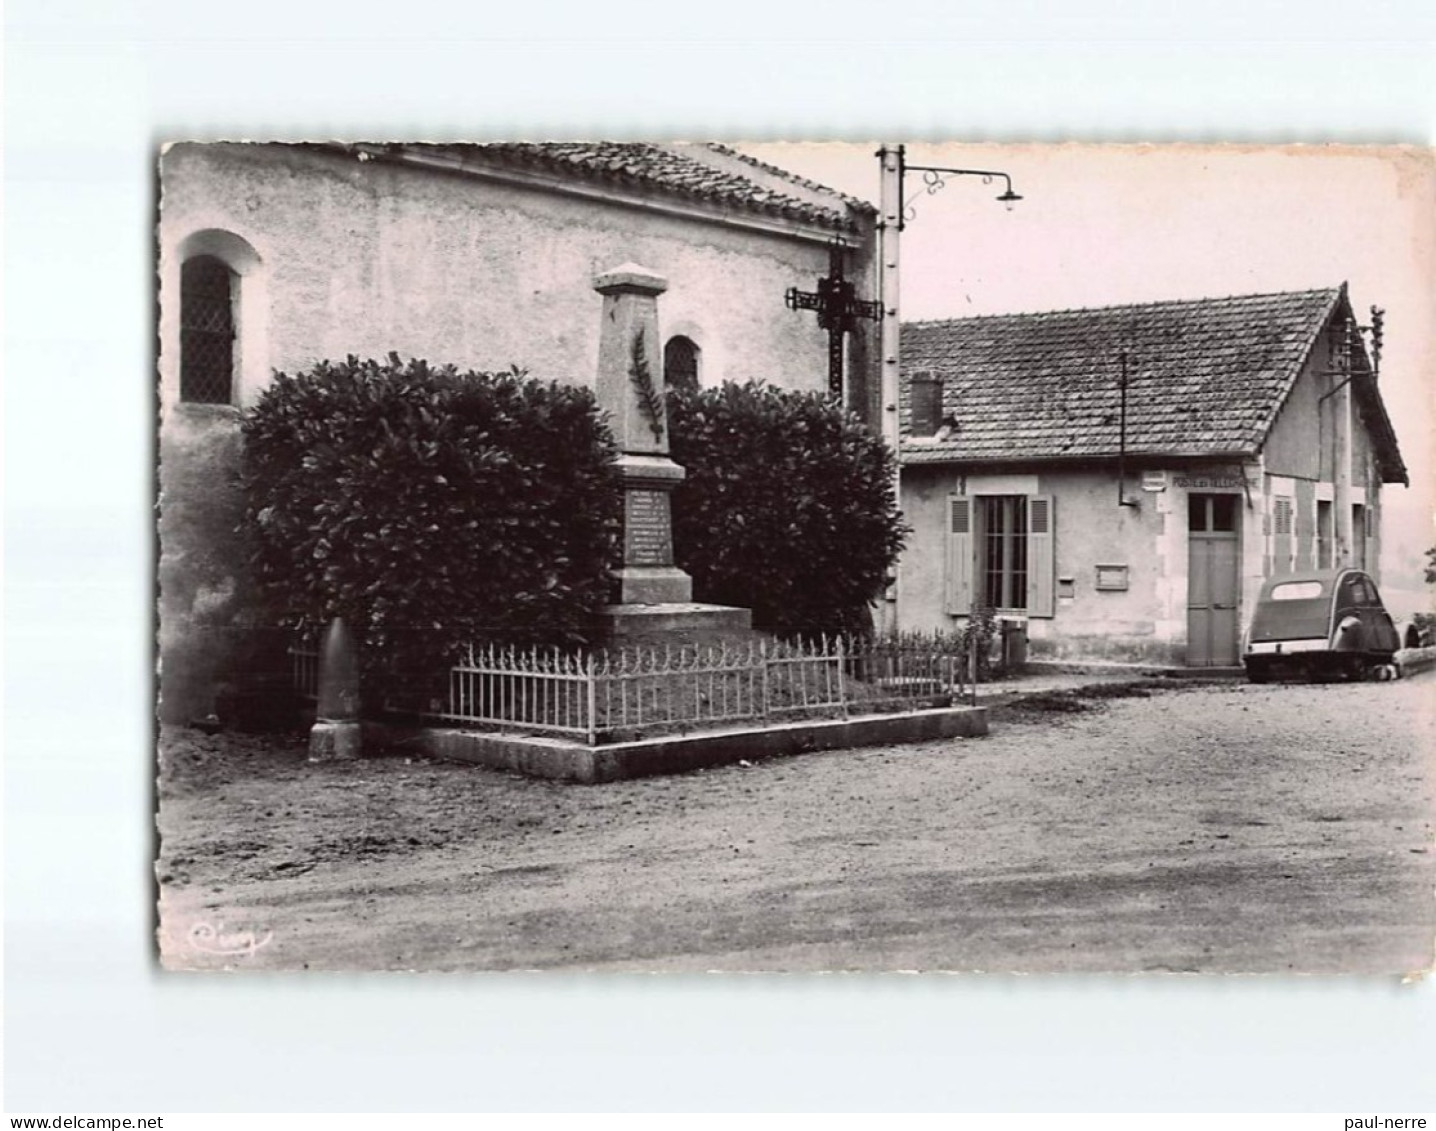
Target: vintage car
[(1315, 623)]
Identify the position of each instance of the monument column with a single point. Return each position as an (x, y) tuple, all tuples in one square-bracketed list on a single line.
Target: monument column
[(630, 389), (654, 597)]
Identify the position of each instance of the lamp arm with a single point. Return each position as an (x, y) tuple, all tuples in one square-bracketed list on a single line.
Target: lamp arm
[(935, 178)]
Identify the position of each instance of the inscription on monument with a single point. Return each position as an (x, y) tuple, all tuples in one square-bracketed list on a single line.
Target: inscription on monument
[(648, 533)]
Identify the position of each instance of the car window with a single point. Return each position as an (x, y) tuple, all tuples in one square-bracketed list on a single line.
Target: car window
[(1296, 591)]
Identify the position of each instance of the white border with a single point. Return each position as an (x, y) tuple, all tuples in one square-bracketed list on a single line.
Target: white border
[(92, 88)]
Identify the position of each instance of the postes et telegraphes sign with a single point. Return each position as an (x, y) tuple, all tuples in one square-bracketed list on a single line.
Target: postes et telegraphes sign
[(1212, 479)]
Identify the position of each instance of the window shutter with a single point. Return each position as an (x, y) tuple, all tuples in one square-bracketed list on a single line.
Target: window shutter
[(959, 556), (1282, 535), (1041, 556)]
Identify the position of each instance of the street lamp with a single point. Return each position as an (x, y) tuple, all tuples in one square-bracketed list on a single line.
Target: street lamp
[(934, 180), (895, 212)]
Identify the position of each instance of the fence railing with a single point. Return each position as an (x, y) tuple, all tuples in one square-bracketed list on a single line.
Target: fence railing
[(531, 688), (603, 696), (598, 696), (304, 664)]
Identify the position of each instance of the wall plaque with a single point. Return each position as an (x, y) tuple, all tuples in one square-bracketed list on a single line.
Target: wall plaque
[(1112, 578), (647, 529)]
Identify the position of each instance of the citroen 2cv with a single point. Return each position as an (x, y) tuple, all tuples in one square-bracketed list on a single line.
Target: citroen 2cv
[(1317, 623)]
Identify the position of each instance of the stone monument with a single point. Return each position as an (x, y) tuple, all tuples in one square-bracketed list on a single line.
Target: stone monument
[(655, 597), (336, 734)]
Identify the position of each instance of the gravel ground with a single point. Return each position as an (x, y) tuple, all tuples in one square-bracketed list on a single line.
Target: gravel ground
[(1193, 828)]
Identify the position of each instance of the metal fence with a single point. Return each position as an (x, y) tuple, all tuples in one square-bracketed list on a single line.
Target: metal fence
[(604, 696), (304, 664), (534, 689)]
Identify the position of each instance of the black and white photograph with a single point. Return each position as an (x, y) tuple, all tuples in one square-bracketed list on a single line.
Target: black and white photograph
[(692, 556), (718, 558)]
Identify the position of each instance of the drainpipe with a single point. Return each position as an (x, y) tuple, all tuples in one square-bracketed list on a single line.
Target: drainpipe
[(1122, 500)]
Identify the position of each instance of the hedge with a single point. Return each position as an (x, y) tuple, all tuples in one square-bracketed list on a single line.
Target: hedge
[(430, 507), (787, 509)]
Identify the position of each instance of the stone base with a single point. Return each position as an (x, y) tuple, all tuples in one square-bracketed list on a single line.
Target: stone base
[(653, 585), (652, 471), (675, 622), (334, 742), (679, 753)]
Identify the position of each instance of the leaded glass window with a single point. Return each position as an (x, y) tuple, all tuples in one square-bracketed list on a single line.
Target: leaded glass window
[(680, 364), (206, 331)]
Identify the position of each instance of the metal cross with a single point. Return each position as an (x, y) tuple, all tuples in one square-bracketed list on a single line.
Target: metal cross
[(838, 309)]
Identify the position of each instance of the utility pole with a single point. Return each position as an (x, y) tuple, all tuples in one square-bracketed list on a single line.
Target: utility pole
[(895, 212), (1341, 443), (890, 230)]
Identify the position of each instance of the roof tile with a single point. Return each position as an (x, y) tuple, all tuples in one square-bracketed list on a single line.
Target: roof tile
[(648, 165), (1204, 377)]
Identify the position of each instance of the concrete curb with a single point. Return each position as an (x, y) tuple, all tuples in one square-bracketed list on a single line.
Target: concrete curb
[(670, 754), (1135, 671)]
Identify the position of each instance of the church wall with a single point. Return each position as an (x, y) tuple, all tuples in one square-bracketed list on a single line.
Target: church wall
[(368, 257), (338, 256)]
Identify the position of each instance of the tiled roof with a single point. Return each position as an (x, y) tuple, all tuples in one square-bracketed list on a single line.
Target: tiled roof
[(793, 178), (648, 166), (1204, 377)]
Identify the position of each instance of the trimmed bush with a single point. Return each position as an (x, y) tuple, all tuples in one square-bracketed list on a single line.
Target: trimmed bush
[(787, 508), (430, 507)]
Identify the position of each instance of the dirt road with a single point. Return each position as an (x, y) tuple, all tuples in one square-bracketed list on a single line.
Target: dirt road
[(1208, 828)]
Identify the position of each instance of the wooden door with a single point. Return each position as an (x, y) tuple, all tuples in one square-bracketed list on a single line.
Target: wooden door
[(1213, 581)]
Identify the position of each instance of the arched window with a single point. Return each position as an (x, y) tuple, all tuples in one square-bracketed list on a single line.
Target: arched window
[(680, 364), (214, 321), (206, 331)]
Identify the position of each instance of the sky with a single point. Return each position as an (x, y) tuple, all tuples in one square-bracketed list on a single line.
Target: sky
[(1106, 225)]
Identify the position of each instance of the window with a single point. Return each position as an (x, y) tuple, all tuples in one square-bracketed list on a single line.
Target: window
[(1357, 592), (926, 402), (680, 364), (214, 320), (206, 331), (1211, 514), (1358, 536), (1002, 522), (1000, 554)]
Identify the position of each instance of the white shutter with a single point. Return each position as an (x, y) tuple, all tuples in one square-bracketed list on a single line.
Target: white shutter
[(1041, 556), (958, 590), (1282, 540)]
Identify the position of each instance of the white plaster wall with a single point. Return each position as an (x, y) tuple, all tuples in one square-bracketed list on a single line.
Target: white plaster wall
[(367, 257), (1148, 621)]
